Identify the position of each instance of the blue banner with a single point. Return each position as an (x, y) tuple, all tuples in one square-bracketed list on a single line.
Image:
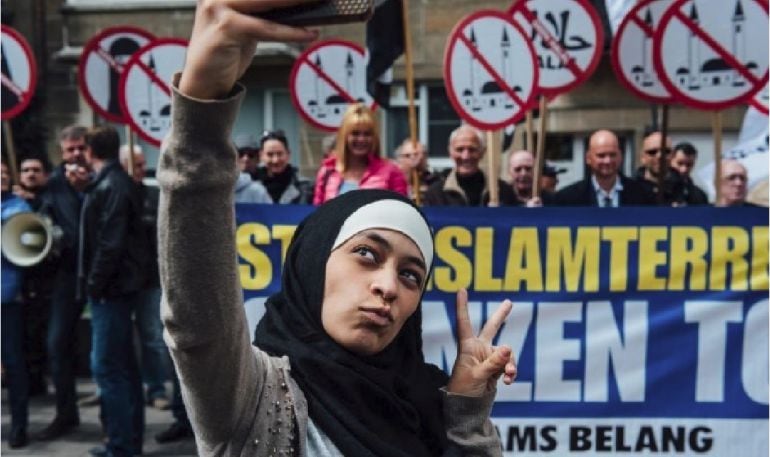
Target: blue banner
[(639, 330)]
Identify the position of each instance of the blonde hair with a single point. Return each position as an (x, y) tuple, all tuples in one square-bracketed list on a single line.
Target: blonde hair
[(356, 116)]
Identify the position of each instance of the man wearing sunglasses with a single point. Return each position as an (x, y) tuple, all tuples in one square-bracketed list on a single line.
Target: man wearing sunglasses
[(248, 154), (655, 171)]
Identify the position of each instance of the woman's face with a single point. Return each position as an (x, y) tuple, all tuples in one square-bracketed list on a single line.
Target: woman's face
[(275, 157), (373, 285), (360, 141)]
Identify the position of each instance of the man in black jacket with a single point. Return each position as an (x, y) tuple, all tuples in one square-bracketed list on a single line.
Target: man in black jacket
[(677, 189), (683, 161), (605, 186), (112, 268), (61, 200)]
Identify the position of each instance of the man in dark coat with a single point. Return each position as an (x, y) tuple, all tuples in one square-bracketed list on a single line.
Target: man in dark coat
[(683, 161), (465, 184), (605, 186), (112, 269), (62, 200), (677, 189)]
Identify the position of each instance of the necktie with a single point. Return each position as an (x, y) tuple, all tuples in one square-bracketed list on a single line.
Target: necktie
[(606, 202)]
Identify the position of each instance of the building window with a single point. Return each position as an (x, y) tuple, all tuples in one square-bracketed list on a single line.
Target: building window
[(442, 119)]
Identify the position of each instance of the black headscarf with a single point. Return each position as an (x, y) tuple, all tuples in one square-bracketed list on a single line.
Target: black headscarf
[(387, 404)]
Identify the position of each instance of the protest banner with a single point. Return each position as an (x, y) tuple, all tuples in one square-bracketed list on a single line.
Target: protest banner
[(636, 331)]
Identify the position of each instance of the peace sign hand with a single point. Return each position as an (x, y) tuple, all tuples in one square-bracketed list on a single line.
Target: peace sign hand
[(479, 364)]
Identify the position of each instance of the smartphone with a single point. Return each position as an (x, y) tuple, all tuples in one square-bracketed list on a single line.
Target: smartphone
[(323, 12)]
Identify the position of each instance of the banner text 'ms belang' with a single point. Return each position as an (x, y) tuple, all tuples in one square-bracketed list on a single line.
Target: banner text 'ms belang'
[(657, 318)]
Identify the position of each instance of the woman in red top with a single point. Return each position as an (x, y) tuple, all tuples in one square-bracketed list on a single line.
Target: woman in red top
[(356, 162)]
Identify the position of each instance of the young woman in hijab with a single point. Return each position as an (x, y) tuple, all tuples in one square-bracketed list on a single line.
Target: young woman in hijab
[(337, 367), (356, 162)]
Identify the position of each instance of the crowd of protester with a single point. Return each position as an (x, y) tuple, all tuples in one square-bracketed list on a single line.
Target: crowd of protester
[(107, 255)]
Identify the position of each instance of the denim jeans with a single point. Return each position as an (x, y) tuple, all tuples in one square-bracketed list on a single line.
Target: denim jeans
[(154, 352), (61, 343), (116, 372), (12, 332)]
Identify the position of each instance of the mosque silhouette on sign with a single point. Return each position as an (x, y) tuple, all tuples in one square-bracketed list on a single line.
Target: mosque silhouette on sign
[(489, 93), (643, 73), (715, 71), (323, 105)]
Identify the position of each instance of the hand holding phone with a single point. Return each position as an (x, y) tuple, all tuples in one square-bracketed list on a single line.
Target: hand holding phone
[(322, 12)]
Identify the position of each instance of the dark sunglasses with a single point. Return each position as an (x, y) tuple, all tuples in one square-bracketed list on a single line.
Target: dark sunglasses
[(655, 151), (247, 152)]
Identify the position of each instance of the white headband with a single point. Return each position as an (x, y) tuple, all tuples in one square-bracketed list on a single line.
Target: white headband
[(389, 214)]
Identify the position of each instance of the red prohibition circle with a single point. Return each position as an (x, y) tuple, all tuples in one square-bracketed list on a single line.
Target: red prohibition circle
[(552, 92), (135, 61), (615, 56), (90, 47), (761, 107), (302, 59), (452, 43), (30, 92), (657, 58)]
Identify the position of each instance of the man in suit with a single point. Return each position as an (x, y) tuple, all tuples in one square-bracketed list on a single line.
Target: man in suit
[(605, 186)]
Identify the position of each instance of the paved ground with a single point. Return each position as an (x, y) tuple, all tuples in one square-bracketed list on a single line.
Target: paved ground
[(88, 435)]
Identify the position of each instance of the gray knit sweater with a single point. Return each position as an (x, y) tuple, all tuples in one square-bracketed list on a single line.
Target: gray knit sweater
[(241, 402)]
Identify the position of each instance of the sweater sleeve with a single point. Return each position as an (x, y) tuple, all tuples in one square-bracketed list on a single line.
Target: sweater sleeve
[(202, 306), (469, 429)]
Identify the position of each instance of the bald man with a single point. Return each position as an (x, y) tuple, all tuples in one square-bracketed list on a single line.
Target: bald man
[(521, 167), (733, 185), (678, 190), (605, 186)]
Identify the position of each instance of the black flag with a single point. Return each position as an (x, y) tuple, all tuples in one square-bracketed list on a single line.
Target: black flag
[(384, 44)]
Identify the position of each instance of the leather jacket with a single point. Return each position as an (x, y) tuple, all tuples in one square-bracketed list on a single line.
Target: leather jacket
[(113, 257)]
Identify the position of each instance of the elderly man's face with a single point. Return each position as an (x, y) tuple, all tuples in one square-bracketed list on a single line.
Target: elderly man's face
[(733, 184), (410, 156), (465, 150), (521, 167)]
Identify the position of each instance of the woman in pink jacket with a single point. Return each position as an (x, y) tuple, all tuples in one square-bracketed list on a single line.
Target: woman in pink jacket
[(356, 162)]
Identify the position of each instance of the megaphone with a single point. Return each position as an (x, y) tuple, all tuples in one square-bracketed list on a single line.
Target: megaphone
[(28, 238)]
